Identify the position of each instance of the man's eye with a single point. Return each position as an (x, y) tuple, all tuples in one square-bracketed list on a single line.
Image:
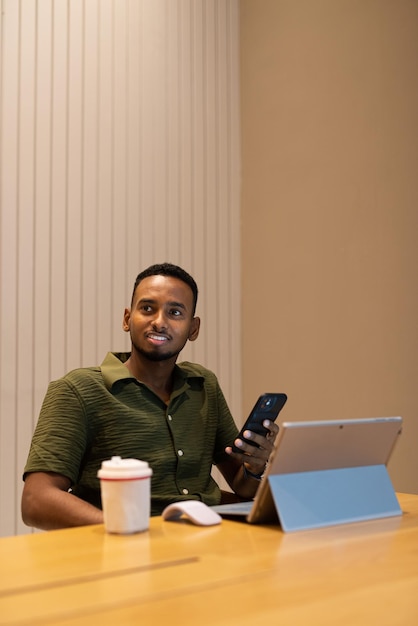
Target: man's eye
[(175, 312), (146, 308)]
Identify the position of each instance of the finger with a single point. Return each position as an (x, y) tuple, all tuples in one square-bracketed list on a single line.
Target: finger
[(273, 430), (271, 426), (257, 462), (257, 455), (264, 442), (254, 455)]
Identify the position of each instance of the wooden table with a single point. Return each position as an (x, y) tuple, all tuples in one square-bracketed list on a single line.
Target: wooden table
[(235, 573)]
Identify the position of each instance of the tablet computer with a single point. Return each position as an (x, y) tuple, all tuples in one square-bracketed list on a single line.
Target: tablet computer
[(325, 472)]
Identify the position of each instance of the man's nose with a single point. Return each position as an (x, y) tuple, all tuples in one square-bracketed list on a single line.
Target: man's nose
[(159, 321)]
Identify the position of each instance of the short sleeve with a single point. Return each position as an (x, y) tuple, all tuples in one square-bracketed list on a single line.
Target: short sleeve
[(61, 434)]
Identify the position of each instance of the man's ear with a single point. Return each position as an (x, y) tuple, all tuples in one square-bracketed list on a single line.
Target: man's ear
[(194, 329), (126, 319)]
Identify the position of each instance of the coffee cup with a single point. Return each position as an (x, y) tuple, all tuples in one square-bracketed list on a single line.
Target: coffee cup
[(126, 494)]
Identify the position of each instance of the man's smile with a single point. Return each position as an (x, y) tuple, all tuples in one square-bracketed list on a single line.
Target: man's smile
[(158, 338)]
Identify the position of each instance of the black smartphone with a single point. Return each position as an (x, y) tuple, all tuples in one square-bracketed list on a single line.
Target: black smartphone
[(268, 406)]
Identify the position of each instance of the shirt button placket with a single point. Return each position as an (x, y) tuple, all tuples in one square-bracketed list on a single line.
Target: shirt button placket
[(184, 490), (180, 453)]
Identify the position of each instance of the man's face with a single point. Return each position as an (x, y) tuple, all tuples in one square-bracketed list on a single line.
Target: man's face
[(161, 318)]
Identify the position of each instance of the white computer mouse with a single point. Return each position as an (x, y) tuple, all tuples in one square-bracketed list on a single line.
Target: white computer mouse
[(196, 511)]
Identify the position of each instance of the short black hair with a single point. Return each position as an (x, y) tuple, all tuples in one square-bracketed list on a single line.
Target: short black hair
[(168, 269)]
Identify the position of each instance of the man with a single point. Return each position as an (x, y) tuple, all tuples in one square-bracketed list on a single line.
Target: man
[(140, 405)]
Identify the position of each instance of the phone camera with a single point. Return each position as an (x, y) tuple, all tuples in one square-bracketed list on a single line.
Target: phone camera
[(266, 404)]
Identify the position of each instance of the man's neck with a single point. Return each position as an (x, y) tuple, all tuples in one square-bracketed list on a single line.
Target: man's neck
[(157, 375)]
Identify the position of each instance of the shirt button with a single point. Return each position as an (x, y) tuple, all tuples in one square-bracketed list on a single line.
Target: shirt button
[(185, 491), (169, 418), (180, 452)]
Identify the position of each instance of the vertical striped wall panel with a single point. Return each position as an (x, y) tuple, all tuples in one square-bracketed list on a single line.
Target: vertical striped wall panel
[(119, 124)]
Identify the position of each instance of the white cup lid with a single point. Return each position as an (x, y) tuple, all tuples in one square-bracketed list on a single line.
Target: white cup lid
[(118, 468)]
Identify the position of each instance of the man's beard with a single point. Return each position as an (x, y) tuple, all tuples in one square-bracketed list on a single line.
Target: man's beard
[(156, 356)]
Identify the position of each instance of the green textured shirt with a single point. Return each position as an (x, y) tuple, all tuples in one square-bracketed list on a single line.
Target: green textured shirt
[(92, 414)]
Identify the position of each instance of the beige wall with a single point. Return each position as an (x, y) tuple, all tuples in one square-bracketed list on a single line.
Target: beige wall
[(329, 98), (119, 131)]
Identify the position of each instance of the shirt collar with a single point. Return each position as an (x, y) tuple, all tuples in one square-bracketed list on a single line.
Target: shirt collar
[(113, 370)]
